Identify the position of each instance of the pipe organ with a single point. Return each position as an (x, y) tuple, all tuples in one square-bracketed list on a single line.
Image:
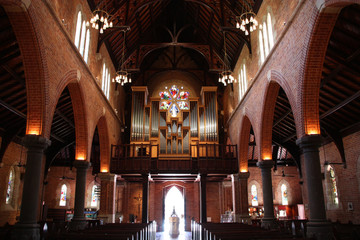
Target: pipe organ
[(174, 120)]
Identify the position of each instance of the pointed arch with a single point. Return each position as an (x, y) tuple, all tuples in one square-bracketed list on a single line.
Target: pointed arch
[(71, 80), (24, 22), (325, 17), (276, 80), (244, 143), (104, 144)]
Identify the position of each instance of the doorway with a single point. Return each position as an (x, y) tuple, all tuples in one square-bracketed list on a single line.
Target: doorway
[(174, 199)]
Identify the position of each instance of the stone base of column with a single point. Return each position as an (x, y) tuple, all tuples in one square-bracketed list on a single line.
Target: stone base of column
[(23, 231), (106, 218), (78, 224), (319, 230), (268, 223)]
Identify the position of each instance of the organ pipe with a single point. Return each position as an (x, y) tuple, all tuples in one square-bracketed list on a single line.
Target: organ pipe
[(194, 118), (155, 119)]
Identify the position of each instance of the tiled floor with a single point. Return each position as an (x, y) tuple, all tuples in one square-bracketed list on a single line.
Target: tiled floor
[(166, 236)]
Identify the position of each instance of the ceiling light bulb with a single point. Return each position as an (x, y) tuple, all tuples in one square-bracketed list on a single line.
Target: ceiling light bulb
[(247, 21), (237, 25), (102, 19), (101, 30), (97, 26), (111, 24), (246, 32)]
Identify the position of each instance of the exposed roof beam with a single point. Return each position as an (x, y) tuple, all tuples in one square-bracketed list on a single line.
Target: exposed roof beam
[(281, 118), (58, 112), (340, 105)]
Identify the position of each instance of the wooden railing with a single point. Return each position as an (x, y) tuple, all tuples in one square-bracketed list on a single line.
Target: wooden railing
[(146, 158), (211, 158)]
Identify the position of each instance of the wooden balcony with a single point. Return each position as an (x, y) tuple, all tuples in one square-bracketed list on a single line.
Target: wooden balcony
[(146, 158)]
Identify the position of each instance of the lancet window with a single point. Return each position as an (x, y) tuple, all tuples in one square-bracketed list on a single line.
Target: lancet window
[(254, 196), (63, 195)]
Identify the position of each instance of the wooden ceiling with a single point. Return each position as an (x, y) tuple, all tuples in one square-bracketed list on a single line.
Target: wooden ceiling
[(157, 24)]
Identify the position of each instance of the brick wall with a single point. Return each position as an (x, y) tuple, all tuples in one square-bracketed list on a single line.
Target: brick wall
[(12, 157)]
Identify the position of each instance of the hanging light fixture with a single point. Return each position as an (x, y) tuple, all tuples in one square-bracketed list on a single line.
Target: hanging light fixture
[(225, 76), (122, 76), (100, 20), (246, 21)]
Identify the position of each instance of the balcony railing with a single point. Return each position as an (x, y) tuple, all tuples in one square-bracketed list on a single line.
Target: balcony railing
[(146, 158)]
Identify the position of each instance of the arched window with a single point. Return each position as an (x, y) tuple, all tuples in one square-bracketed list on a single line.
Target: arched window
[(82, 37), (94, 196), (266, 40), (266, 37), (284, 195), (63, 195), (87, 43), (254, 196), (242, 81), (105, 85), (10, 187), (334, 193), (270, 31), (78, 30)]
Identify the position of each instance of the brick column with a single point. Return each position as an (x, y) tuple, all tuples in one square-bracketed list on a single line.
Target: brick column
[(317, 226), (240, 197), (107, 197), (145, 198), (79, 222), (27, 227), (203, 216), (268, 220)]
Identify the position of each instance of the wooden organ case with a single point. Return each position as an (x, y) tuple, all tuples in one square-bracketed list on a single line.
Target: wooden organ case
[(174, 132)]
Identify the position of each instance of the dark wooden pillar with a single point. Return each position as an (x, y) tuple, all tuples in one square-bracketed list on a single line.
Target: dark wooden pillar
[(203, 216), (145, 199)]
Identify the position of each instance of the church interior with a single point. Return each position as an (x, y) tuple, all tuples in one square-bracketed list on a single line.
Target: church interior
[(218, 119)]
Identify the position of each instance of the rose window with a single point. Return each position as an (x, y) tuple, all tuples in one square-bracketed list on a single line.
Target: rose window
[(174, 100)]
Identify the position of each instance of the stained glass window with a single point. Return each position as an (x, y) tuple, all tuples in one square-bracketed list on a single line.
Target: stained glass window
[(94, 196), (174, 100), (63, 195), (335, 197), (254, 197), (284, 195), (10, 187)]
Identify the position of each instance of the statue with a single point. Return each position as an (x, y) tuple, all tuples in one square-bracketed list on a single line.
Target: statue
[(174, 224)]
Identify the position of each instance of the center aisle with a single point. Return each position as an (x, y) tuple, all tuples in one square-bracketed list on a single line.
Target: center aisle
[(166, 236)]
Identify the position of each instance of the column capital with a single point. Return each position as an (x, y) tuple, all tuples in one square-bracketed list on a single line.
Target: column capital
[(265, 164), (81, 164), (107, 176), (36, 141), (310, 141), (241, 176)]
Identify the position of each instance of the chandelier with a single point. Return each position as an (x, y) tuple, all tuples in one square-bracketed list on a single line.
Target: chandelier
[(100, 20), (122, 76), (246, 21), (225, 76)]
